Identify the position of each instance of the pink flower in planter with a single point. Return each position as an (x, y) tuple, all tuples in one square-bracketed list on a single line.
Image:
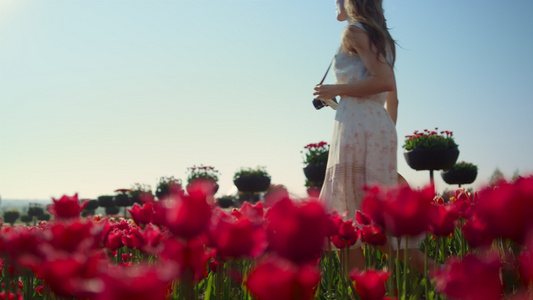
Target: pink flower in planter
[(66, 207), (370, 284), (237, 237), (142, 215), (470, 278), (280, 279), (298, 231), (442, 218)]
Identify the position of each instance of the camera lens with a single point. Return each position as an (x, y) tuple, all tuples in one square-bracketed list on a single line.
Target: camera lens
[(318, 104)]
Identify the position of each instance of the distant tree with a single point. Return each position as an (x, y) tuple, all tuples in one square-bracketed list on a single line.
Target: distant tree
[(35, 211), (111, 210), (11, 216), (496, 176), (26, 219), (106, 201), (44, 217), (516, 175)]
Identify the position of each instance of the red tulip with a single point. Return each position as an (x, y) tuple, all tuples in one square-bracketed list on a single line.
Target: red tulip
[(188, 216), (373, 235), (237, 237), (133, 238), (470, 278), (72, 276), (298, 231), (73, 236), (279, 279), (400, 210), (362, 218), (7, 295), (346, 234), (114, 239), (142, 215), (370, 284), (66, 207), (153, 238), (191, 256), (253, 212), (442, 217), (477, 233), (136, 282), (507, 208)]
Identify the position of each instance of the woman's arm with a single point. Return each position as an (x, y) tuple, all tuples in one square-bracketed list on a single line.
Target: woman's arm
[(381, 78), (391, 105)]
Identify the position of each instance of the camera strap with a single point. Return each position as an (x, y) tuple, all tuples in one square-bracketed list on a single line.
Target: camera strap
[(327, 71)]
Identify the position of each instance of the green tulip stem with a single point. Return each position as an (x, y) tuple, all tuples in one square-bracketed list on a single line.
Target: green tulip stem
[(426, 265), (405, 266), (398, 287)]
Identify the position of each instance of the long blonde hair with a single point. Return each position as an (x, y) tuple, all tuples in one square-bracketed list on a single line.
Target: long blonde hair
[(370, 14)]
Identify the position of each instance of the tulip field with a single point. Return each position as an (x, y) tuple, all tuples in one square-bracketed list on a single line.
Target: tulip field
[(475, 245)]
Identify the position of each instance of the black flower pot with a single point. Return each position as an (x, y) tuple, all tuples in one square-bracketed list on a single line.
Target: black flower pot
[(162, 192), (438, 158), (225, 202), (122, 200), (315, 173), (459, 176), (252, 183)]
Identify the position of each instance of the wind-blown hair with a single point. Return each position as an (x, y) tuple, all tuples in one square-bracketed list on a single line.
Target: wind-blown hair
[(370, 14)]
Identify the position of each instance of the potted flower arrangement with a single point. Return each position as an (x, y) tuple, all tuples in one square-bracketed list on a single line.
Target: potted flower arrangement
[(430, 150), (460, 173), (205, 173), (252, 180), (316, 159), (166, 186), (141, 193)]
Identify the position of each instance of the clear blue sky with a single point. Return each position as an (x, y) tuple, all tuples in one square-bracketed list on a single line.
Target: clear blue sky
[(99, 95)]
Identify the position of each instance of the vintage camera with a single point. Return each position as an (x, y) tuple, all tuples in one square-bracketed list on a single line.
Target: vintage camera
[(318, 103)]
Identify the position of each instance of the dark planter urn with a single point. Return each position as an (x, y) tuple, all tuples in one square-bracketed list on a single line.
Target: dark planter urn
[(225, 202), (315, 173), (438, 158), (252, 183), (459, 176), (122, 200)]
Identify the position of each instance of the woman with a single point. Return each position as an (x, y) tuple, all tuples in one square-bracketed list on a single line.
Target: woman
[(364, 145), (363, 148)]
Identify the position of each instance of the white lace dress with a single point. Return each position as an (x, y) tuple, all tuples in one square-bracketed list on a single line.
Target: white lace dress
[(364, 143)]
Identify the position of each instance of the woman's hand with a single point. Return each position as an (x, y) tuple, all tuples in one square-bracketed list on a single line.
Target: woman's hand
[(325, 91)]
